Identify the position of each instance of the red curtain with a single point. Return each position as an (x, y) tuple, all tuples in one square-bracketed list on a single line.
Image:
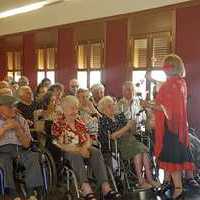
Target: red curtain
[(115, 71), (188, 47), (66, 59), (29, 58)]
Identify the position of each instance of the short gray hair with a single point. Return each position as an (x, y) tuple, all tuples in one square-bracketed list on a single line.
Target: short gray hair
[(177, 64), (104, 102), (22, 89)]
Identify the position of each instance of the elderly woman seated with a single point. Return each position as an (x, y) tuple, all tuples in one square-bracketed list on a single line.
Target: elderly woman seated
[(73, 138), (51, 101), (97, 93), (119, 128)]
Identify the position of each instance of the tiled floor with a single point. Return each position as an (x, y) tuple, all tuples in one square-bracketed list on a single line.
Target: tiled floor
[(189, 195)]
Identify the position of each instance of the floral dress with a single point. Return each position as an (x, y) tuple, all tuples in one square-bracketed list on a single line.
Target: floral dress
[(65, 135), (128, 145)]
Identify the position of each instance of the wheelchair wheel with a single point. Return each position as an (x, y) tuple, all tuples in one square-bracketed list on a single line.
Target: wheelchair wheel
[(48, 172), (68, 197), (112, 179)]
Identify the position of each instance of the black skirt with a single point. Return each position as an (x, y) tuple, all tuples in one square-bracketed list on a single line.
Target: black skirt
[(175, 155)]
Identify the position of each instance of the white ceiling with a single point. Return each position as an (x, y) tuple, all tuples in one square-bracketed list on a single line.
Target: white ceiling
[(70, 11), (10, 4)]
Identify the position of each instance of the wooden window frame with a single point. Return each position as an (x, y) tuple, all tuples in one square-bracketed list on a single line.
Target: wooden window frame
[(45, 69), (88, 68), (14, 70), (149, 37)]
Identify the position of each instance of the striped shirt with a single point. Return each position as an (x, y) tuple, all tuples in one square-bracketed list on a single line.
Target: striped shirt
[(10, 135)]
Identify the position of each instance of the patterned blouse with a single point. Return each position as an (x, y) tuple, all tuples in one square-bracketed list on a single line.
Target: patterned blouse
[(108, 126), (63, 132), (27, 110)]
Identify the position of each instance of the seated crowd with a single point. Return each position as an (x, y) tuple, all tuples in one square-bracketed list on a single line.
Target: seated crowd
[(81, 120)]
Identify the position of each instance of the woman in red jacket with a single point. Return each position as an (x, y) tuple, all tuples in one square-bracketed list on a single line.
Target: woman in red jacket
[(172, 146)]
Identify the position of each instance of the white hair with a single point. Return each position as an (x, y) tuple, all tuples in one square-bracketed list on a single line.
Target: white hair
[(104, 102), (96, 87), (22, 89), (69, 99)]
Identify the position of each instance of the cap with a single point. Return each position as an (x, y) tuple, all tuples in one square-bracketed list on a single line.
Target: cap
[(8, 100)]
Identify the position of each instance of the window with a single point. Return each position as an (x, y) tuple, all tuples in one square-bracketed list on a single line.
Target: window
[(140, 53), (149, 50), (161, 46), (14, 64), (46, 64), (139, 82), (89, 59), (82, 79), (147, 53)]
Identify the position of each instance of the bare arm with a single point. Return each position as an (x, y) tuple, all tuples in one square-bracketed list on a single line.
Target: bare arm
[(129, 126), (152, 106), (23, 138), (71, 148), (74, 149), (88, 143)]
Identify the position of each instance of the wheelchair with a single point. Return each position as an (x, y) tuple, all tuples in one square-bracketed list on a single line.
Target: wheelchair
[(125, 175), (66, 176), (48, 173), (2, 191)]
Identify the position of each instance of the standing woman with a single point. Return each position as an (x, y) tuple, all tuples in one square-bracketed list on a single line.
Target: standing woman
[(172, 146)]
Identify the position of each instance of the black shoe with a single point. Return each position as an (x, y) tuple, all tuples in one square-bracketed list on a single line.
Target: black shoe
[(90, 196), (112, 195), (191, 182), (179, 197)]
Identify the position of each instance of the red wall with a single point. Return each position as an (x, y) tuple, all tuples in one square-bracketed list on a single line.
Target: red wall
[(115, 70), (29, 58), (2, 59), (188, 47), (66, 68)]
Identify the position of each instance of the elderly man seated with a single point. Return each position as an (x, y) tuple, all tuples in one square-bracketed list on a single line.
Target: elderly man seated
[(26, 104), (73, 138), (15, 138)]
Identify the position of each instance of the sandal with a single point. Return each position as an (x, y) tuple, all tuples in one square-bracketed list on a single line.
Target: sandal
[(192, 182), (90, 196), (155, 184), (180, 195), (112, 195), (144, 186)]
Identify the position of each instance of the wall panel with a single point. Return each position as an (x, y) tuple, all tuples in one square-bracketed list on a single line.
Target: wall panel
[(188, 47)]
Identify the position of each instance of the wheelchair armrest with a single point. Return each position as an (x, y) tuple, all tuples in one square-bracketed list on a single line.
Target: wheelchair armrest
[(35, 144)]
